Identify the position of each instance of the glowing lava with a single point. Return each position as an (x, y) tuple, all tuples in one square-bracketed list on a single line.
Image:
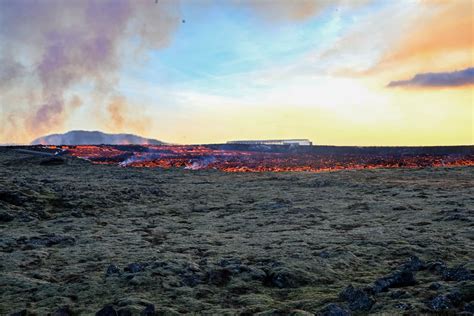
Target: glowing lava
[(275, 159)]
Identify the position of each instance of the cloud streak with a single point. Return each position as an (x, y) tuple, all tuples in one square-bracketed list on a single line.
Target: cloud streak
[(276, 11), (438, 79)]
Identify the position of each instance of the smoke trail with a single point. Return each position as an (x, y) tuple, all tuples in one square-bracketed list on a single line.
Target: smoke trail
[(201, 163), (63, 44)]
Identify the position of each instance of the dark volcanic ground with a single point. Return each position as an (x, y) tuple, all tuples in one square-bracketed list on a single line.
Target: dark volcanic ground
[(76, 237)]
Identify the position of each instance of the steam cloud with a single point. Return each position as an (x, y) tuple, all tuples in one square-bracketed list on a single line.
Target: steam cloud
[(54, 45), (438, 79)]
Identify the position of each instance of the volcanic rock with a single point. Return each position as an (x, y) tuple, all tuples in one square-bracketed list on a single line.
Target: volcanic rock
[(63, 311), (282, 277), (125, 311), (404, 277), (333, 310), (436, 266), (244, 271), (48, 240), (440, 302), (112, 269), (137, 280), (466, 290), (357, 298), (413, 264), (398, 294), (219, 276), (134, 306), (403, 306), (6, 217), (458, 273), (129, 301), (447, 301), (134, 267), (435, 286), (396, 279), (324, 254), (457, 217), (230, 263), (358, 206), (233, 265), (107, 310), (469, 308), (191, 279), (23, 312), (53, 161), (13, 197), (255, 274), (148, 311), (455, 297)]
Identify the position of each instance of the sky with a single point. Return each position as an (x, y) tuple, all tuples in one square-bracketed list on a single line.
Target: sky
[(339, 72)]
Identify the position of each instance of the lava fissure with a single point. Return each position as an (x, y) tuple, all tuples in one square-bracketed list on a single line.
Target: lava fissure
[(249, 159)]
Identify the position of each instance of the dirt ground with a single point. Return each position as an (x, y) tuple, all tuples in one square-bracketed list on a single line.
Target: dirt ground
[(81, 239)]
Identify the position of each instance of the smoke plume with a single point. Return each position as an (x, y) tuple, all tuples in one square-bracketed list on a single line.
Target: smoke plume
[(53, 46)]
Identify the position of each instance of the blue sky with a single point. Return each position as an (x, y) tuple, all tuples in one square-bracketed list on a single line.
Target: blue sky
[(217, 42)]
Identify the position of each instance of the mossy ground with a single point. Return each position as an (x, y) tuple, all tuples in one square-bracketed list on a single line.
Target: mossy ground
[(321, 231)]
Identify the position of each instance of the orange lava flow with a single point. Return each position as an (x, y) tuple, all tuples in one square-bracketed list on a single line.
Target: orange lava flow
[(208, 158)]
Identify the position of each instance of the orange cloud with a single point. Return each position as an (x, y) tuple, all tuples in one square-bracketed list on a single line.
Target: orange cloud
[(447, 31)]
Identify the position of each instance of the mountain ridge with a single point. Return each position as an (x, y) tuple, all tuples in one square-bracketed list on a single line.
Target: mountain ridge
[(82, 137)]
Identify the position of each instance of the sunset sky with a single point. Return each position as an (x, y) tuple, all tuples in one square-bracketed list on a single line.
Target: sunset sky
[(341, 72)]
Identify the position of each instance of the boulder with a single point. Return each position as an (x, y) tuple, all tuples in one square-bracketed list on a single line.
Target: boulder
[(6, 216), (333, 310), (440, 303), (149, 310), (396, 279), (48, 240), (63, 311), (107, 310), (357, 299), (458, 273), (112, 269), (445, 302), (134, 267), (53, 161), (413, 264), (282, 277), (219, 277)]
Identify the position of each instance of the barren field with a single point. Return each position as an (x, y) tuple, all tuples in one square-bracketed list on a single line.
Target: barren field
[(81, 239)]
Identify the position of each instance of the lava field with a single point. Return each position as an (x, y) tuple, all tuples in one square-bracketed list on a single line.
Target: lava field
[(246, 158)]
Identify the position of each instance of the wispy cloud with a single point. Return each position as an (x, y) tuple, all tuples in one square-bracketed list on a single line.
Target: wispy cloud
[(444, 27), (438, 79)]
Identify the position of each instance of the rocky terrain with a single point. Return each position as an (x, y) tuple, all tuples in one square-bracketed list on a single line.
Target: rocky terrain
[(84, 239)]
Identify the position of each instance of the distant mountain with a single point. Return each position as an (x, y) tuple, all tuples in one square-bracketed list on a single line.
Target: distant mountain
[(93, 138)]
